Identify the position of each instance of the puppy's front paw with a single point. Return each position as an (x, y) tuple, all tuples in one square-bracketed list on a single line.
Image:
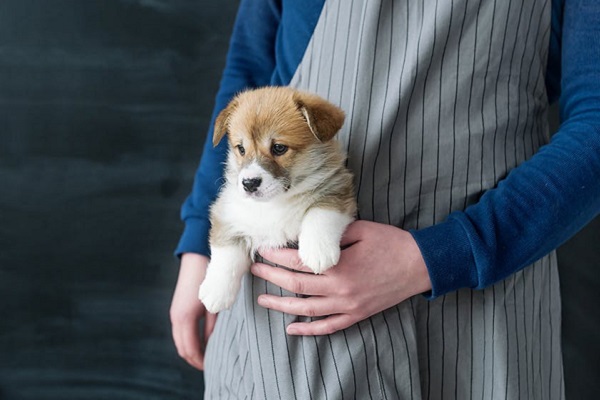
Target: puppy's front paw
[(317, 254), (219, 289)]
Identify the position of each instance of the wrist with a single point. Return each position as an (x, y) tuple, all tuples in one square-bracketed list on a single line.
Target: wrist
[(193, 267), (191, 274), (448, 257), (421, 278), (194, 260)]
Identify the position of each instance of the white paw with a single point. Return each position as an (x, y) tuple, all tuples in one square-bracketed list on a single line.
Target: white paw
[(317, 253), (219, 289)]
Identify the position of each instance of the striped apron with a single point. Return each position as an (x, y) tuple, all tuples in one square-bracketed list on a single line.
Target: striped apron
[(442, 99)]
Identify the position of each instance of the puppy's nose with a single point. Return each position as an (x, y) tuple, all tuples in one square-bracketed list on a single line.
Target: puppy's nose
[(250, 185)]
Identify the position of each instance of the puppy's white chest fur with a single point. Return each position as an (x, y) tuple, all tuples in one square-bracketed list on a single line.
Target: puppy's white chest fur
[(274, 223)]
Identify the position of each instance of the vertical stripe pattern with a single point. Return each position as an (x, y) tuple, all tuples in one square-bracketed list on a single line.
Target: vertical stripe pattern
[(443, 98)]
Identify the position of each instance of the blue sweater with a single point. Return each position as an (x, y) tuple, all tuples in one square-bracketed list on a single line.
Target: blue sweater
[(541, 203)]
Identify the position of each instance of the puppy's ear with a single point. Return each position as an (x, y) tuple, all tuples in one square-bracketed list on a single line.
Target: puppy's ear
[(323, 118), (222, 121)]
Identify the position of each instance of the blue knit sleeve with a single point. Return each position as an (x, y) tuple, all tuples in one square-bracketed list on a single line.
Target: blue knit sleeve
[(544, 201), (250, 63)]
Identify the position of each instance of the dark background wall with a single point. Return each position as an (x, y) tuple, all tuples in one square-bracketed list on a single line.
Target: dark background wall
[(103, 110), (103, 107)]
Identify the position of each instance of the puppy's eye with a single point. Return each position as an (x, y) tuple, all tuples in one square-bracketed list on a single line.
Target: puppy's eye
[(278, 149), (241, 149)]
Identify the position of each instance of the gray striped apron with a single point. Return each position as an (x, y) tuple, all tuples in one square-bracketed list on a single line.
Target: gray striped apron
[(442, 98)]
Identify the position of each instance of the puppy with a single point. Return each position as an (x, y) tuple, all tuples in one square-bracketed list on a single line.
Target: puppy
[(286, 182)]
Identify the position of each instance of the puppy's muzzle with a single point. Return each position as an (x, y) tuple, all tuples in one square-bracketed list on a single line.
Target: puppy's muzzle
[(251, 185)]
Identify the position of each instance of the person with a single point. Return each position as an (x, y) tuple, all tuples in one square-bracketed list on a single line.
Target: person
[(447, 286)]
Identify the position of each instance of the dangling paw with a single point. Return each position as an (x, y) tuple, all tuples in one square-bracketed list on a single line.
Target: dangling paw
[(219, 289)]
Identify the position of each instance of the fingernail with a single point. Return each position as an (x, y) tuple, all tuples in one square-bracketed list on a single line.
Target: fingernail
[(262, 301), (291, 330)]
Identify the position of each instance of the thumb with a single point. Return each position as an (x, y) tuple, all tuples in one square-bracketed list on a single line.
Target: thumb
[(354, 233)]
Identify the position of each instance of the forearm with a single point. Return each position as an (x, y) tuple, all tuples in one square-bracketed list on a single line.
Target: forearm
[(540, 205), (545, 200), (250, 63)]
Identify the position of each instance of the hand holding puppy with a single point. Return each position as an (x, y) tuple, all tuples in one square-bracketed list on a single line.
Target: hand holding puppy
[(380, 266)]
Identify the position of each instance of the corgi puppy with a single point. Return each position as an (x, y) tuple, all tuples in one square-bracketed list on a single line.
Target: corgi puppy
[(286, 182)]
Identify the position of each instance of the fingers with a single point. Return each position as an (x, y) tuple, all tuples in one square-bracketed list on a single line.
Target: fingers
[(308, 307), (286, 257), (311, 307), (325, 326), (308, 284), (187, 341)]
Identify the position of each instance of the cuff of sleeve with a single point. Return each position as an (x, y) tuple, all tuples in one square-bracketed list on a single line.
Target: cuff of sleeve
[(194, 238), (447, 252)]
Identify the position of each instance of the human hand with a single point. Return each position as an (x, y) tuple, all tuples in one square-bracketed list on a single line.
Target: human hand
[(187, 311), (380, 266)]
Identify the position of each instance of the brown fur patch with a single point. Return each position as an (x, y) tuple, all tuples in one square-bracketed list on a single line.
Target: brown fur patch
[(222, 122), (260, 118), (323, 118)]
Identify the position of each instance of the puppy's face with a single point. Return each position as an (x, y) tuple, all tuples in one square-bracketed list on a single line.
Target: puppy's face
[(276, 137)]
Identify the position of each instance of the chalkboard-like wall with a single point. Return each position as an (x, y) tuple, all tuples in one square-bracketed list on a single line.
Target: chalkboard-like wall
[(103, 111)]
